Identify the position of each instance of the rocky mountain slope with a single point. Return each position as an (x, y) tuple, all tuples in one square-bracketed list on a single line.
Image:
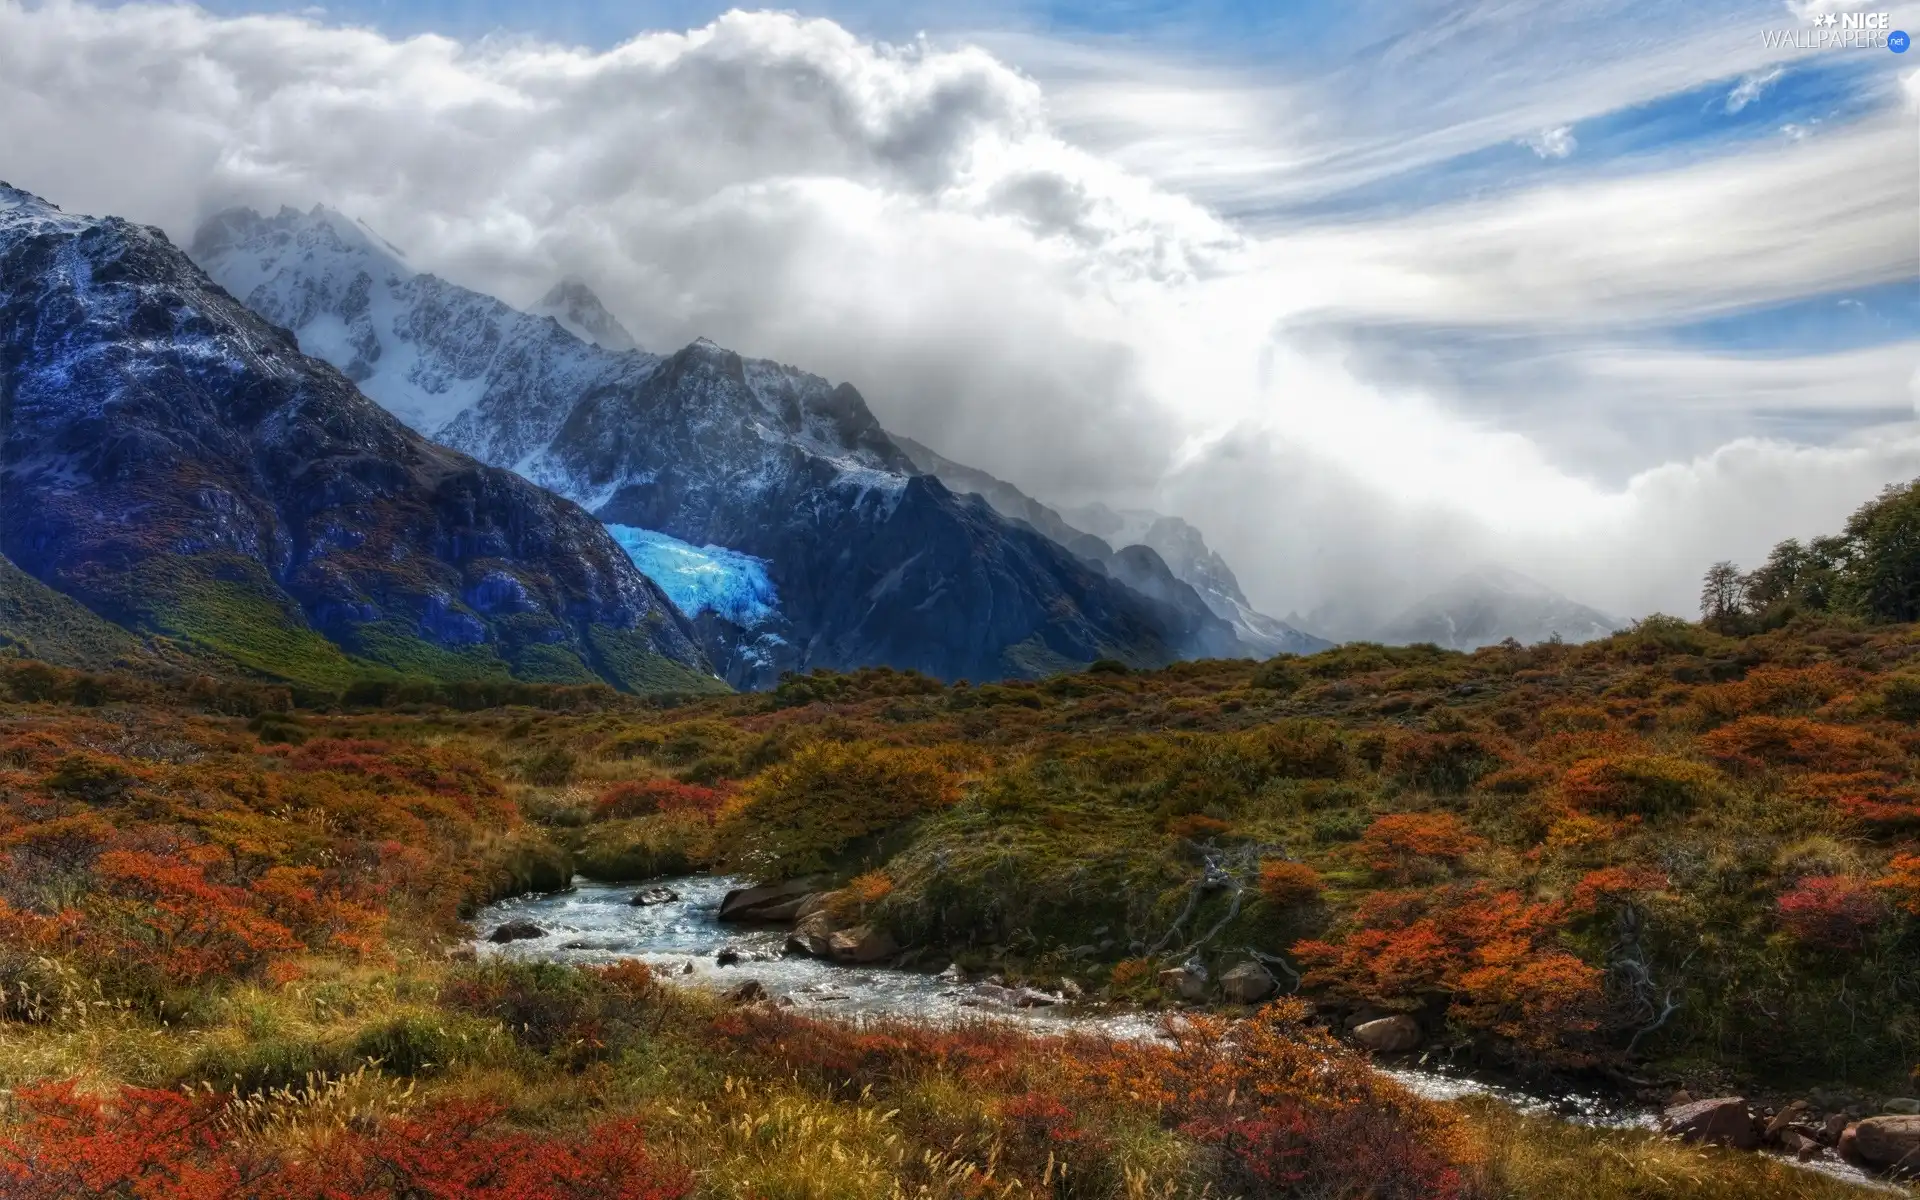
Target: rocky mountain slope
[(1491, 604), (1160, 556), (869, 562), (174, 462)]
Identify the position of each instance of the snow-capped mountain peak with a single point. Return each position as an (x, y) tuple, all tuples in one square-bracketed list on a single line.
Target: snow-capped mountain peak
[(461, 367), (579, 311)]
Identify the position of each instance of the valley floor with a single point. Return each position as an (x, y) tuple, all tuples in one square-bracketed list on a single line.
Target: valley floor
[(233, 960)]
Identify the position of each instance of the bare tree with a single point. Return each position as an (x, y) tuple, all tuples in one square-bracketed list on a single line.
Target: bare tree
[(1722, 594)]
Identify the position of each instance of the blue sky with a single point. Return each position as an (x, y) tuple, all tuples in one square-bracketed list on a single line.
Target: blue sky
[(1364, 289)]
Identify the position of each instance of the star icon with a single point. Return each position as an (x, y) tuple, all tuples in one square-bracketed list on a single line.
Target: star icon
[(1830, 19)]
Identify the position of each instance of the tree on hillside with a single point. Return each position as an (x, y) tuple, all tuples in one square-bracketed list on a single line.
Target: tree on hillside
[(1722, 595), (1871, 570), (1884, 574)]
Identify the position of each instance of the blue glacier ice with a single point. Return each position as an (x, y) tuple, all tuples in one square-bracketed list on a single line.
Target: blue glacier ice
[(698, 579)]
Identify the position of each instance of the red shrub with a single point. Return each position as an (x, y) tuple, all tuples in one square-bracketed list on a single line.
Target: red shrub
[(1831, 912), (160, 1145), (649, 796)]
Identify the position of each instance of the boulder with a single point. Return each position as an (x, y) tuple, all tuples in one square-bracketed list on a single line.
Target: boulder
[(751, 991), (1028, 997), (813, 933), (516, 930), (1389, 1035), (1188, 982), (1831, 1128), (771, 904), (1801, 1144), (1905, 1106), (1071, 990), (1782, 1119), (1722, 1121), (727, 956), (648, 897), (1248, 983), (1888, 1142), (861, 944)]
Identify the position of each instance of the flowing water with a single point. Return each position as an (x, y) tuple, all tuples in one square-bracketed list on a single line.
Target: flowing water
[(596, 923)]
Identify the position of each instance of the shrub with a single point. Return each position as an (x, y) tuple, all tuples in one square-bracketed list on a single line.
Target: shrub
[(1902, 882), (1407, 845), (1613, 886), (553, 767), (798, 815), (1444, 763), (1833, 913), (1754, 742), (1643, 784), (1298, 749), (1900, 698), (1491, 954), (91, 778), (1281, 674), (649, 796), (1289, 884)]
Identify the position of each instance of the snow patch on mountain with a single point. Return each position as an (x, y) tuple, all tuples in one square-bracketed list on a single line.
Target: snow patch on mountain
[(461, 367), (702, 579)]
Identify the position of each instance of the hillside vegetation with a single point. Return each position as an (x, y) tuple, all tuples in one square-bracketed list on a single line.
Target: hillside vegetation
[(232, 958)]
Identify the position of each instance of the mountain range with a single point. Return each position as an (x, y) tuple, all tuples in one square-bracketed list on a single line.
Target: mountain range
[(706, 462), (172, 462), (1490, 604), (294, 454), (1159, 555)]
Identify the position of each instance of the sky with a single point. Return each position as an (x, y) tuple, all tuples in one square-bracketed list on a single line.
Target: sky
[(1373, 292)]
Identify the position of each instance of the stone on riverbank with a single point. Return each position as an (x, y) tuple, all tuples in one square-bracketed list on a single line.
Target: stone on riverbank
[(861, 944), (516, 930), (1389, 1035), (1722, 1121), (1888, 1142), (1248, 983), (772, 903)]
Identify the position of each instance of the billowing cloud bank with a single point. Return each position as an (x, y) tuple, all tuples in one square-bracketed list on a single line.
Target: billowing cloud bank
[(910, 218)]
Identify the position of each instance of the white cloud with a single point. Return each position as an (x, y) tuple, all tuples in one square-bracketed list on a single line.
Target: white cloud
[(1557, 142), (1057, 309), (1752, 87)]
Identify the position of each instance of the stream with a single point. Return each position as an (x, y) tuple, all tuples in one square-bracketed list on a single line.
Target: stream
[(595, 923)]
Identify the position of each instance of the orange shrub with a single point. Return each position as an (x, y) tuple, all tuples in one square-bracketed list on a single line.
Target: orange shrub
[(1778, 691), (1288, 884), (1491, 953), (1403, 845), (1646, 784), (1902, 882), (1755, 742), (1612, 886)]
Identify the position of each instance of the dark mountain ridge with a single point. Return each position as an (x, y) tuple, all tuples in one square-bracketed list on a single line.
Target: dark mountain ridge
[(176, 464)]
